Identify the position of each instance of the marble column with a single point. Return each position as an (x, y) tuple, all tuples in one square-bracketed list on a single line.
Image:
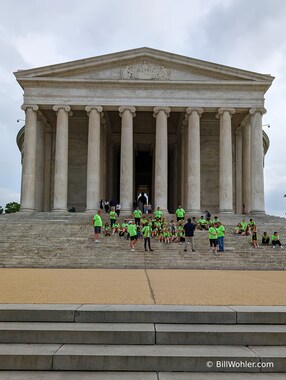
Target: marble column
[(48, 159), (161, 158), (40, 164), (238, 170), (225, 161), (257, 154), (28, 191), (175, 176), (193, 161), (246, 164), (183, 163), (126, 159), (61, 159), (93, 159)]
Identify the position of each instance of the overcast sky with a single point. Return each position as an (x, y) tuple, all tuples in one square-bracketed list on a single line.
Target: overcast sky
[(245, 34)]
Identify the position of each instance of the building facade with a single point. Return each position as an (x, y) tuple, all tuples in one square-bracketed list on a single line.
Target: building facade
[(181, 130)]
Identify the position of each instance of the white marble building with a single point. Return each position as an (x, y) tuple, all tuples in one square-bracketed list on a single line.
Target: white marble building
[(180, 129)]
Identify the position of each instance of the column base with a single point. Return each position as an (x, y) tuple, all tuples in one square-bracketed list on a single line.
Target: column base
[(28, 210), (194, 212), (257, 212), (126, 212), (59, 210), (91, 211), (226, 211)]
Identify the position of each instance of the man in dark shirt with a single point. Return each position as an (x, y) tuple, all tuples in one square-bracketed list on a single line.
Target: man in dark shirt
[(189, 229)]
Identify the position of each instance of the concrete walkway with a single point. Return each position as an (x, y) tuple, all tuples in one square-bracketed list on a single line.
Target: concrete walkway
[(138, 286)]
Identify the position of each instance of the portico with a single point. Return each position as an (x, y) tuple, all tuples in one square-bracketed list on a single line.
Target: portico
[(106, 127)]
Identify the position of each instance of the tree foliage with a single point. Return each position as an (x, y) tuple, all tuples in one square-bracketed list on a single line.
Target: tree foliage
[(12, 207)]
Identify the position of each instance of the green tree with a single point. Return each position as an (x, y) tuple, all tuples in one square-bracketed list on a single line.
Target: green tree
[(12, 207)]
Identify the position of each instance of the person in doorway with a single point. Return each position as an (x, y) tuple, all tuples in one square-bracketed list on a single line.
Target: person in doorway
[(106, 206), (117, 209)]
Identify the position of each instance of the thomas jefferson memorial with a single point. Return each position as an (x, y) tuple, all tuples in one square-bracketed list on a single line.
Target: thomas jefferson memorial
[(179, 129)]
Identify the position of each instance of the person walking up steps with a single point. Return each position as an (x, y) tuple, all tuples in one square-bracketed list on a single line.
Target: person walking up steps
[(97, 224)]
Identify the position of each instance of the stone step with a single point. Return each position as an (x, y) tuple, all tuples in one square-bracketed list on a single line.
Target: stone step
[(161, 358), (77, 375), (157, 314), (78, 333), (134, 358), (239, 335), (134, 333)]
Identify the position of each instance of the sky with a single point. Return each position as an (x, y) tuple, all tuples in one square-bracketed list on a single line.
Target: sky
[(246, 34)]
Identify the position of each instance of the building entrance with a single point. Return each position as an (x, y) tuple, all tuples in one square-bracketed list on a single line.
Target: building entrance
[(143, 175)]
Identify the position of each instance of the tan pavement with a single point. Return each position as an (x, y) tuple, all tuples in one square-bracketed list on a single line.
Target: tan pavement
[(138, 286)]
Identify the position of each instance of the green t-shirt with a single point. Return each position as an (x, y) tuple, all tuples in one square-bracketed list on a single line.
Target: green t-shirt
[(146, 231), (132, 229), (144, 221), (212, 233), (137, 214), (180, 212), (202, 221), (112, 215), (97, 221), (220, 231), (243, 225), (124, 225), (158, 214), (275, 237)]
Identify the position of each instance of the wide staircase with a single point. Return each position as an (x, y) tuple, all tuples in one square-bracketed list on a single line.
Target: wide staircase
[(148, 342), (50, 240)]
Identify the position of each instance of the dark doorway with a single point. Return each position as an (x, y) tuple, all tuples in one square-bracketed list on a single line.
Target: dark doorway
[(143, 174)]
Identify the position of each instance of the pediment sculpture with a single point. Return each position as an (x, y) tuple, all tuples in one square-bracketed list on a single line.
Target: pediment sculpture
[(145, 71)]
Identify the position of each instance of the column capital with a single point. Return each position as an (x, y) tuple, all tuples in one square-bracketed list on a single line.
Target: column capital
[(222, 110), (64, 107), (156, 110), (131, 109), (190, 110), (252, 111), (89, 108), (34, 107)]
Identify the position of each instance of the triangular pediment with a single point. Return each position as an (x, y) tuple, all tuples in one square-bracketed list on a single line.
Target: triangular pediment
[(139, 65)]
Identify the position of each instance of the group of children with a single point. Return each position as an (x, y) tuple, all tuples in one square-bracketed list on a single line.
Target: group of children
[(157, 227), (160, 229), (245, 228)]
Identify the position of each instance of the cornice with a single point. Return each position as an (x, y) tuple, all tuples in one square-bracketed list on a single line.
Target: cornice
[(151, 84)]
